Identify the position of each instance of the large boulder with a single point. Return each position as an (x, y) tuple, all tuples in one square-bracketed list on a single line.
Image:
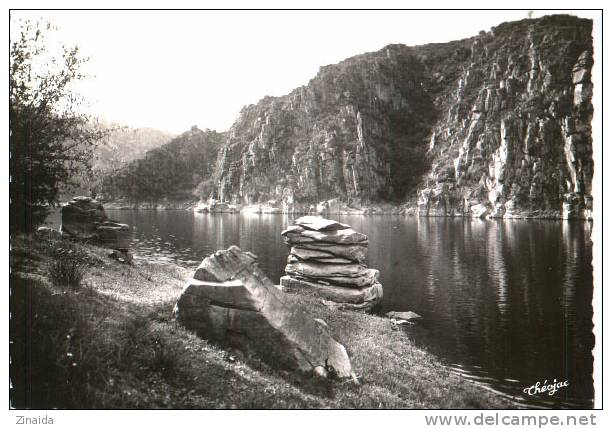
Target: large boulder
[(85, 219), (328, 258), (230, 300), (317, 223), (368, 295), (220, 207), (201, 207), (408, 316), (356, 253), (306, 254), (324, 269), (297, 234), (81, 216)]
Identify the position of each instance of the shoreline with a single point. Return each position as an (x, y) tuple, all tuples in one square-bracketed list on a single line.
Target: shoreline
[(116, 299), (407, 211)]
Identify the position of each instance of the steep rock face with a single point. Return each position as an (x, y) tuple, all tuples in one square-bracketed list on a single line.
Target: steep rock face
[(514, 137), (349, 133), (494, 125)]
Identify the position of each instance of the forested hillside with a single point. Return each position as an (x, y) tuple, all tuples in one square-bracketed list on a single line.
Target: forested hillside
[(173, 171)]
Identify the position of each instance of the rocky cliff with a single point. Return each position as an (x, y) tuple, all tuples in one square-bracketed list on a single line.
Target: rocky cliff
[(514, 137), (349, 133), (494, 125)]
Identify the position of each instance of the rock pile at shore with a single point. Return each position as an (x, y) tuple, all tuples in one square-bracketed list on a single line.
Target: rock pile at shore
[(85, 219), (229, 299), (328, 257)]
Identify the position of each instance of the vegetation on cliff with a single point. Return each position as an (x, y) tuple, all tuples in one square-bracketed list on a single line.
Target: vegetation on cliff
[(357, 131), (495, 125), (514, 138), (498, 125), (174, 170)]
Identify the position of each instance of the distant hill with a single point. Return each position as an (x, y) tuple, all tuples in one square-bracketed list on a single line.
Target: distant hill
[(126, 144), (173, 171), (121, 145)]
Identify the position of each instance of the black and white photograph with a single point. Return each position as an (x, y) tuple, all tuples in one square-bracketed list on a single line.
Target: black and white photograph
[(215, 209)]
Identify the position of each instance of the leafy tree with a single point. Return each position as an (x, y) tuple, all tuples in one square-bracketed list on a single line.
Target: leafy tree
[(50, 139)]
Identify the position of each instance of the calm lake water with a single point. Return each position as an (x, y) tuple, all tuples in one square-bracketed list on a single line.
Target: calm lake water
[(504, 303)]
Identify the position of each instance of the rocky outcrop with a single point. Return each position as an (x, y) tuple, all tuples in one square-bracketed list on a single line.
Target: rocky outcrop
[(85, 219), (407, 316), (262, 209), (81, 216), (497, 125), (328, 259), (216, 207), (515, 136), (346, 134), (230, 300)]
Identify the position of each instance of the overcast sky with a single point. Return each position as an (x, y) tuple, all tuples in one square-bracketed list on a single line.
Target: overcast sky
[(174, 69)]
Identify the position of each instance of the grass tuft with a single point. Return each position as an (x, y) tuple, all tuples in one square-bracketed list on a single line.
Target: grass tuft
[(64, 272), (163, 358)]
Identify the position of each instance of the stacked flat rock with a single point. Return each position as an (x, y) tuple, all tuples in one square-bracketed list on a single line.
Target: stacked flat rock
[(85, 219), (328, 257), (230, 300)]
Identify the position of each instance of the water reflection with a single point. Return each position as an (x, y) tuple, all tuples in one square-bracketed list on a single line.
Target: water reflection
[(507, 303), (513, 297)]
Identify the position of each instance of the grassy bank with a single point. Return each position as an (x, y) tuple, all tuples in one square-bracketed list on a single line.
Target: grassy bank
[(109, 341)]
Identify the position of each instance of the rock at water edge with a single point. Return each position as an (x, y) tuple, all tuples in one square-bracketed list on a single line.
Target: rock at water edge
[(370, 294)]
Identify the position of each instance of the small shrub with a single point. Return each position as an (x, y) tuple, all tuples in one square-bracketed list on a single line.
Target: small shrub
[(134, 330), (66, 249), (64, 271), (147, 349), (163, 358), (162, 312)]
